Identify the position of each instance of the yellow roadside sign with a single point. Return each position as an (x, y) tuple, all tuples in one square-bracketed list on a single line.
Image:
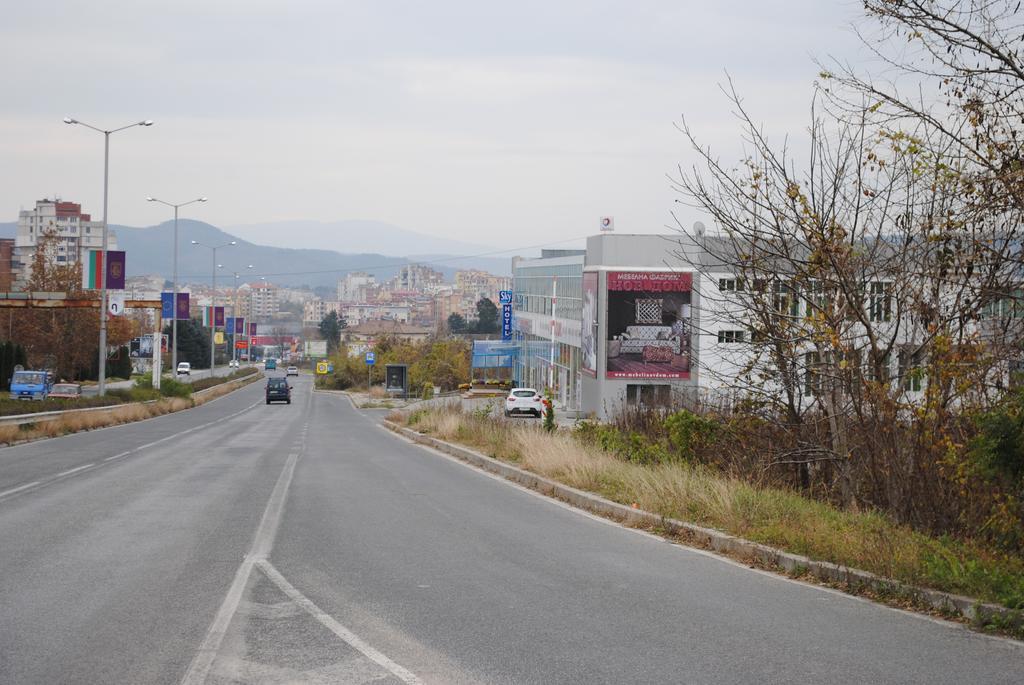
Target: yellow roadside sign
[(321, 368), (218, 337)]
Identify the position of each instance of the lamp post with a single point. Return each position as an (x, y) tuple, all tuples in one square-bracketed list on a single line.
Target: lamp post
[(237, 275), (103, 269), (174, 319), (213, 300)]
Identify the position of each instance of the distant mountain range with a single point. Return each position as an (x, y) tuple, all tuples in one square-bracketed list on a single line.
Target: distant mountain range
[(353, 237), (150, 251)]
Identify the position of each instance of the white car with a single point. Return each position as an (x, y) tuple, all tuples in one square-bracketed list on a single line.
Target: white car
[(184, 369), (292, 371), (233, 364), (524, 401)]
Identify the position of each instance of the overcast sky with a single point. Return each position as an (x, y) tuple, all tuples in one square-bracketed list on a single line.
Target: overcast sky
[(503, 123)]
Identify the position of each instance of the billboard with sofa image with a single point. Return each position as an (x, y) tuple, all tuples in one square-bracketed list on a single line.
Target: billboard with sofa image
[(649, 324)]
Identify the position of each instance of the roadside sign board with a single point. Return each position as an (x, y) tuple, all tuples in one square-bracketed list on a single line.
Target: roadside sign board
[(322, 368), (504, 297), (396, 378), (371, 358)]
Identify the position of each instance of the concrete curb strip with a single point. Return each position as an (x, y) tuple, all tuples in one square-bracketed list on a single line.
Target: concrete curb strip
[(715, 540)]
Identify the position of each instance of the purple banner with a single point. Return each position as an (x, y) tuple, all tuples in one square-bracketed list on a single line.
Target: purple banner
[(115, 270), (218, 317), (252, 329), (182, 310), (239, 326)]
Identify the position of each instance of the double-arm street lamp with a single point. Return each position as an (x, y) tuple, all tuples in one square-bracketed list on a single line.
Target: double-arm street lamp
[(213, 299), (103, 269), (174, 319)]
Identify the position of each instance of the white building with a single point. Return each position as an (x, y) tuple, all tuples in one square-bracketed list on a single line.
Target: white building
[(353, 287), (76, 232)]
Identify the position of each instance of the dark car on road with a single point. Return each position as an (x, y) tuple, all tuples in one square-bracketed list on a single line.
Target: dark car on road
[(278, 390)]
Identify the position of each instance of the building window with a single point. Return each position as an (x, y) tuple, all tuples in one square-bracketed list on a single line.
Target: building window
[(880, 301), (911, 370), (731, 336), (815, 299), (784, 299), (812, 373), (648, 395), (730, 284)]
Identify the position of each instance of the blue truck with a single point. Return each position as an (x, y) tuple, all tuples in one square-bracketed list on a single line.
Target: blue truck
[(31, 385)]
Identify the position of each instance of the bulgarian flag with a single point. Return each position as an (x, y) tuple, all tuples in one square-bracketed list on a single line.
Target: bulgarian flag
[(94, 266)]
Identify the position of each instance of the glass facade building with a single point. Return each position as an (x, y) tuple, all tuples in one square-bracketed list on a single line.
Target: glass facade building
[(548, 347)]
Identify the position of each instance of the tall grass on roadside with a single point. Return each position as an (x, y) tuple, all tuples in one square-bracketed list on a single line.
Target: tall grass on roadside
[(75, 423), (770, 515)]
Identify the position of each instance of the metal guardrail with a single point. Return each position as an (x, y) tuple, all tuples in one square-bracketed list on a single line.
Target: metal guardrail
[(37, 417)]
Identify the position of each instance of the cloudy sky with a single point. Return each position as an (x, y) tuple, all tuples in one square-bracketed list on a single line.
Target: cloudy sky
[(501, 123)]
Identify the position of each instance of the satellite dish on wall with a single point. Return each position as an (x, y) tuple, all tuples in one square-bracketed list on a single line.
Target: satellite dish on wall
[(698, 228)]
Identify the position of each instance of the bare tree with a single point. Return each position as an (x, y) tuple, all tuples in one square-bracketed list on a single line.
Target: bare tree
[(857, 281)]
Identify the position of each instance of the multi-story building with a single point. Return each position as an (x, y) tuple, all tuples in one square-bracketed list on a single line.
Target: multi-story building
[(261, 300), (547, 311), (418, 278), (76, 234), (355, 286), (6, 264), (314, 311), (476, 284)]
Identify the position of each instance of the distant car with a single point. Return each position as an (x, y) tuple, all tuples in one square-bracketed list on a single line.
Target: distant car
[(270, 364), (184, 369), (292, 371), (66, 391), (233, 364), (524, 401), (278, 390)]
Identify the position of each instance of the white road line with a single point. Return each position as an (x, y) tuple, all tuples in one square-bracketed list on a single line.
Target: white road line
[(118, 456), (74, 470), (334, 626), (26, 486), (201, 664)]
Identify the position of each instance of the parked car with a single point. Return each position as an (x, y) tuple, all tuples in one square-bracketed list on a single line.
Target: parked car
[(233, 364), (292, 371), (184, 369), (278, 390), (66, 391), (524, 401)]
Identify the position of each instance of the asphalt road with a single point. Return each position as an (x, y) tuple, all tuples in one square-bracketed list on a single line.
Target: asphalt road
[(240, 542)]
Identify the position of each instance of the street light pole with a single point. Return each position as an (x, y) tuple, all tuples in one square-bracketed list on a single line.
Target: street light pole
[(234, 337), (174, 319), (213, 299), (103, 261)]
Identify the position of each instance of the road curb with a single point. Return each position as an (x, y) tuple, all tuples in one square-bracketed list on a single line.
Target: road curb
[(709, 538)]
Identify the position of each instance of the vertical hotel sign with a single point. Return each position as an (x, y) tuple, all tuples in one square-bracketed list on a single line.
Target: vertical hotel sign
[(505, 298)]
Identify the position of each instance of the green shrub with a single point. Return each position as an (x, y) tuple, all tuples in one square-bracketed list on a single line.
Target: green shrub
[(172, 388), (428, 392), (689, 433)]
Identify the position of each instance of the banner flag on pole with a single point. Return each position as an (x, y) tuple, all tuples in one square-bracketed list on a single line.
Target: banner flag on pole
[(93, 267), (252, 329), (218, 317)]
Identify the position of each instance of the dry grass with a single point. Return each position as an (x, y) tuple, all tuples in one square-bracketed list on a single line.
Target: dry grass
[(697, 494), (129, 413)]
